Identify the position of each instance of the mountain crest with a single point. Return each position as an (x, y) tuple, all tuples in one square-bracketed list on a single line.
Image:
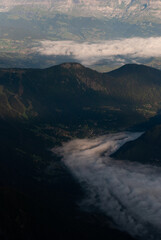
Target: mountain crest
[(72, 65)]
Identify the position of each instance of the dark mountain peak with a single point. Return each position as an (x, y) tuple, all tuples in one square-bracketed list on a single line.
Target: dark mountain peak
[(67, 66), (72, 65), (130, 69), (134, 66)]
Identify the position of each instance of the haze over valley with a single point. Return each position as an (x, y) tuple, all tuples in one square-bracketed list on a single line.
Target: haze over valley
[(129, 193)]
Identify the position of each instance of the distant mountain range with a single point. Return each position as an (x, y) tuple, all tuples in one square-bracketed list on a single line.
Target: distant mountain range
[(80, 21), (143, 10)]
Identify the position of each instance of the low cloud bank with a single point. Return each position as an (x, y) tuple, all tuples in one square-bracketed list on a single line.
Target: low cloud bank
[(90, 53), (129, 193)]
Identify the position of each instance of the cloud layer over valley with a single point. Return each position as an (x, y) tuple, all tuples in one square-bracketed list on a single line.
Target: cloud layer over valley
[(129, 193), (90, 53)]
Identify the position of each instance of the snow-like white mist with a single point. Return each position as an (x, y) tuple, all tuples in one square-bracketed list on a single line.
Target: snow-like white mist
[(129, 193), (92, 52)]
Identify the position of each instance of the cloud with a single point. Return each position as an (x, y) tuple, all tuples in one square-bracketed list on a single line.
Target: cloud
[(129, 193), (89, 53)]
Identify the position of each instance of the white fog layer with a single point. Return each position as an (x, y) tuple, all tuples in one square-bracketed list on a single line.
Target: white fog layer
[(89, 53), (129, 193)]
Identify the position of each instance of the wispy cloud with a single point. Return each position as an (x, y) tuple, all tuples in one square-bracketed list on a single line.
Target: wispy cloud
[(89, 53), (130, 193)]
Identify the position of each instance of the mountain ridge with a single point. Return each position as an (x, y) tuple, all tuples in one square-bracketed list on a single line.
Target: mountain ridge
[(30, 92)]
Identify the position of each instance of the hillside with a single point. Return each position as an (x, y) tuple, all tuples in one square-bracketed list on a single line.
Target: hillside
[(34, 93), (145, 150), (139, 84)]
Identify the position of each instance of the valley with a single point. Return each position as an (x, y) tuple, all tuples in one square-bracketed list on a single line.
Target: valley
[(40, 109)]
